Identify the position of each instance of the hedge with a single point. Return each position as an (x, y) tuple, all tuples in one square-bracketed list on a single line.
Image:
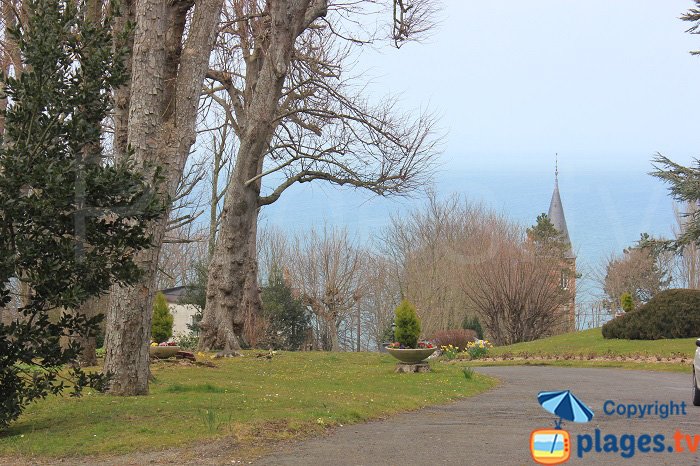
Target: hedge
[(669, 314)]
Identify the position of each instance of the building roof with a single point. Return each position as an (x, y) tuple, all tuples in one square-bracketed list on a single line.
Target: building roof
[(556, 216), (173, 295)]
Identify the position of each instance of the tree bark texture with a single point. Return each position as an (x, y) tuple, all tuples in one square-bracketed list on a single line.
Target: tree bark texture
[(165, 85), (232, 288)]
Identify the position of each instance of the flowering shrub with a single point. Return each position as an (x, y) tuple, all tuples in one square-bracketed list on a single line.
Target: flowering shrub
[(478, 349), (420, 345), (449, 351)]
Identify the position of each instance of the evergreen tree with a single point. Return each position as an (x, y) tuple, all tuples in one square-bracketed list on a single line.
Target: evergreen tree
[(162, 324), (407, 328), (287, 316), (69, 222), (685, 188), (545, 236)]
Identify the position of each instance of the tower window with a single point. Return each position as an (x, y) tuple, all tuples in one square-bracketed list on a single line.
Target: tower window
[(564, 283)]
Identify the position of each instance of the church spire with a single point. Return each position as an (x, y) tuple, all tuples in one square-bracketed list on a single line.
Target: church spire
[(556, 211)]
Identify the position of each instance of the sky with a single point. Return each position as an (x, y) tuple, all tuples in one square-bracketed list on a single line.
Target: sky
[(603, 83)]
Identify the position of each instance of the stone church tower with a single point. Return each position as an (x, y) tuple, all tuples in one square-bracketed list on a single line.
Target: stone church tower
[(568, 270)]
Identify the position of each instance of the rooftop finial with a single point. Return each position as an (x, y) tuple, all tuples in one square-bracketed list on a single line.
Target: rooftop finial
[(556, 168)]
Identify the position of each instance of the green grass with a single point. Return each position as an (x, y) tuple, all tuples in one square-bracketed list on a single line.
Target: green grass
[(251, 400), (591, 342)]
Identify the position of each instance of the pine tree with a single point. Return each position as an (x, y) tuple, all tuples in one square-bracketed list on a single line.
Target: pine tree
[(162, 325), (69, 221)]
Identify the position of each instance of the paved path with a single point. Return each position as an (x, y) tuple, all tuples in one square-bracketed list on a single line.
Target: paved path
[(494, 428)]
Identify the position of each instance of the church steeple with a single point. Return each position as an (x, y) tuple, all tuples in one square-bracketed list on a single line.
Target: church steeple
[(556, 212)]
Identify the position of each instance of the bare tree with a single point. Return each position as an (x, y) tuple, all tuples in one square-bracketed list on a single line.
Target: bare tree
[(640, 271), (326, 271), (432, 248), (517, 293), (298, 118), (221, 158), (274, 252), (382, 293)]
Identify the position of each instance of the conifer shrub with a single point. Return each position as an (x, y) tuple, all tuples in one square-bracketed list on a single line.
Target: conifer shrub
[(627, 302), (162, 326), (669, 314), (407, 328)]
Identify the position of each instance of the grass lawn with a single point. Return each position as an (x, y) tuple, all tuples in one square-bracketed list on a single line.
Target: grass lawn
[(252, 400), (591, 342)]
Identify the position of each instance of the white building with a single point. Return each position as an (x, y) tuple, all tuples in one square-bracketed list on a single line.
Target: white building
[(183, 314)]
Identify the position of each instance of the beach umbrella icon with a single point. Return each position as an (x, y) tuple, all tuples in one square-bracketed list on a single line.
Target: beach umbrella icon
[(565, 405)]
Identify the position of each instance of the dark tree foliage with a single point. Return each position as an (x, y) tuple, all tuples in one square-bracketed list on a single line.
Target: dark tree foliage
[(69, 221), (684, 187), (693, 16), (472, 323), (545, 237), (288, 321)]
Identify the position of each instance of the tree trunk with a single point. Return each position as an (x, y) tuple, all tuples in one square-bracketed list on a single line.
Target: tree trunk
[(122, 95), (252, 303), (333, 331), (166, 82), (128, 333), (91, 308), (222, 323), (88, 353), (232, 290)]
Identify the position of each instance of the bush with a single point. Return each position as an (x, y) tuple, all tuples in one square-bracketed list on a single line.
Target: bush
[(458, 338), (162, 326), (407, 325), (669, 314)]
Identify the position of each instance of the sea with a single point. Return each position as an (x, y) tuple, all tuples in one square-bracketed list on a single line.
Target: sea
[(607, 206)]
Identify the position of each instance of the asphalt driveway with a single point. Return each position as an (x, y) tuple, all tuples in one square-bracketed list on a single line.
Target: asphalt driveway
[(494, 428)]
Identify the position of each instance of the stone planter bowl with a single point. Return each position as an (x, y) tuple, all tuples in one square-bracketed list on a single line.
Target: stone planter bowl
[(411, 356), (163, 352)]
